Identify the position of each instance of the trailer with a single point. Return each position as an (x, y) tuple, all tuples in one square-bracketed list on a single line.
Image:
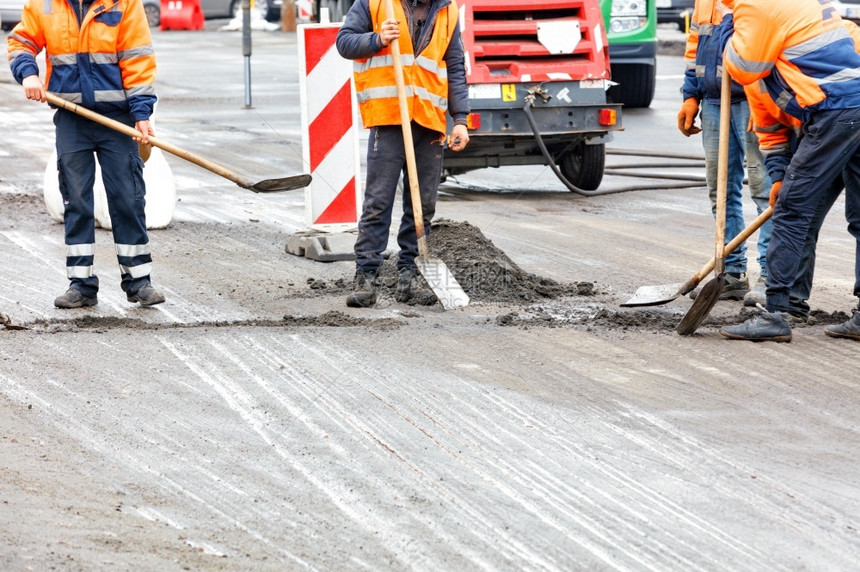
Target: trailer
[(538, 74)]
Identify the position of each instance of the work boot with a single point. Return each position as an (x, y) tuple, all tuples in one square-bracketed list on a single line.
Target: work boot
[(733, 288), (757, 295), (74, 298), (849, 329), (146, 295), (412, 290), (364, 291), (764, 326)]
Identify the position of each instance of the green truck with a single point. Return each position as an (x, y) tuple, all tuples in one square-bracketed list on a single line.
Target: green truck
[(631, 28)]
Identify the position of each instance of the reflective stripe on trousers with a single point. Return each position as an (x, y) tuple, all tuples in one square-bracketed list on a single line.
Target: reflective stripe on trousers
[(79, 142)]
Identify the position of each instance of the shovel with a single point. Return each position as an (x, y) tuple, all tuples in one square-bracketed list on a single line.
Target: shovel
[(665, 293), (711, 291), (438, 277), (266, 186)]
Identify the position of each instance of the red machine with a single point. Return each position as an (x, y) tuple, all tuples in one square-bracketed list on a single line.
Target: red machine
[(181, 15), (538, 72)]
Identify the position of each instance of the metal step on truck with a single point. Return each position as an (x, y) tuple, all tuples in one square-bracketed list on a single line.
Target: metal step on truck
[(538, 72)]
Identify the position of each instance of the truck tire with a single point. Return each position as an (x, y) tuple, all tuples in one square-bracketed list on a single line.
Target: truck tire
[(583, 165), (636, 84)]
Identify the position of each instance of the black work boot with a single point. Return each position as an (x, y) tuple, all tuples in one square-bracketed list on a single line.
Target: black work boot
[(764, 326), (74, 298), (146, 295), (412, 290), (849, 329), (364, 292)]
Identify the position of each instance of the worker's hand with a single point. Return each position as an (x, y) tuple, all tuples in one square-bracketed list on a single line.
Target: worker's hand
[(774, 193), (750, 125), (34, 89), (687, 117), (388, 32), (144, 127), (459, 138)]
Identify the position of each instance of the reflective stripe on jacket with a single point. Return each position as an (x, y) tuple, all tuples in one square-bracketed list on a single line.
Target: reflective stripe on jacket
[(804, 46), (106, 64), (425, 75)]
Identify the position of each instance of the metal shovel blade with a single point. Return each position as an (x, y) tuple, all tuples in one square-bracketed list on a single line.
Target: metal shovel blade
[(701, 307), (654, 295), (442, 282), (282, 184)]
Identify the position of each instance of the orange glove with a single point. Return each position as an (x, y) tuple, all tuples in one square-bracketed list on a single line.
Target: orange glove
[(774, 192), (687, 117)]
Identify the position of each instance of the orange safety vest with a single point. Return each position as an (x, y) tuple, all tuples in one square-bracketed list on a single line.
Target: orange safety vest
[(425, 76)]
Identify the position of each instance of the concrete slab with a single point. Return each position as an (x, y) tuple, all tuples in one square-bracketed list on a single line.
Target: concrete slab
[(322, 246)]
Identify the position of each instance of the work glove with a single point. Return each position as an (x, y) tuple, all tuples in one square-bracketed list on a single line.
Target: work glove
[(774, 193), (687, 117)]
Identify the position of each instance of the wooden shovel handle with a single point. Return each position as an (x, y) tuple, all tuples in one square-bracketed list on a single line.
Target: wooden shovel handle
[(408, 145), (734, 243), (723, 169), (131, 132)]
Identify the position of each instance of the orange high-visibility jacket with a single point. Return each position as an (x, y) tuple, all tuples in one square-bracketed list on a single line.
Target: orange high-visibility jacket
[(804, 47), (773, 126), (106, 64), (425, 76)]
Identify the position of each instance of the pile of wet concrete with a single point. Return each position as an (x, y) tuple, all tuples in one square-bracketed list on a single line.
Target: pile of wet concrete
[(484, 271)]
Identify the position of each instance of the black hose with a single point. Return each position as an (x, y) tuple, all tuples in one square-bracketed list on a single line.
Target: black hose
[(527, 109), (640, 153)]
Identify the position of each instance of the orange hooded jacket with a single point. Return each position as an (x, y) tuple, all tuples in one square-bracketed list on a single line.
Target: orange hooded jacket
[(107, 63), (805, 49)]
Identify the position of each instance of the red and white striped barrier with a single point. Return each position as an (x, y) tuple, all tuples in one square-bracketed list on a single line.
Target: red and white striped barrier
[(329, 130)]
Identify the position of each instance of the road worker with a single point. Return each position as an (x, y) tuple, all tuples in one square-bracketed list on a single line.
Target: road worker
[(431, 49), (813, 71), (701, 92), (98, 55), (779, 134)]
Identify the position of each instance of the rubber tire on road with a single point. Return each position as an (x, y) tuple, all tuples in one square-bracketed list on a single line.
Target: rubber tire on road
[(153, 14), (337, 9), (636, 84), (583, 165)]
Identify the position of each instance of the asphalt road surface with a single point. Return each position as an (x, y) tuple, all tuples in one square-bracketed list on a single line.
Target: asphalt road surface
[(254, 422)]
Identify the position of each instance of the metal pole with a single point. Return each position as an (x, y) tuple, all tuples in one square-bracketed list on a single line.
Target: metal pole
[(246, 49)]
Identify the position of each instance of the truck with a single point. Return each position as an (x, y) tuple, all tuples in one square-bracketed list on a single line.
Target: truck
[(538, 74), (632, 34)]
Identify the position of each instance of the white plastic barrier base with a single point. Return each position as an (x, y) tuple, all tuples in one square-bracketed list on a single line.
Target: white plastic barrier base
[(160, 192)]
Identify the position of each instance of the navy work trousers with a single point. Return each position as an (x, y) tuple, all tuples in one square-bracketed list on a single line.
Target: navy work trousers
[(386, 164), (830, 146), (802, 287), (79, 142)]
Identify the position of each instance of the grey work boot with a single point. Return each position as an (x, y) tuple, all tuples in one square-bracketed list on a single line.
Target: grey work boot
[(364, 292), (74, 299), (146, 295), (849, 329), (412, 290), (757, 295), (764, 326), (733, 288)]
